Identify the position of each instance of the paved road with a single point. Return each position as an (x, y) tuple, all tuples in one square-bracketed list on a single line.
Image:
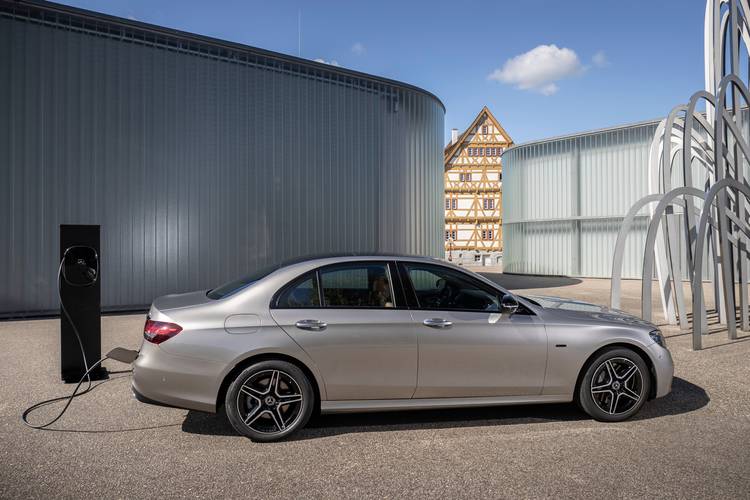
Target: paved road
[(693, 443)]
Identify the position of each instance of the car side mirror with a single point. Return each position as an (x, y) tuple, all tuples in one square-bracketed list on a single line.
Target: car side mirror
[(509, 304)]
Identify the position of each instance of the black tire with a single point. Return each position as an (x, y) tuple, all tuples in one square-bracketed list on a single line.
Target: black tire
[(265, 416), (612, 399)]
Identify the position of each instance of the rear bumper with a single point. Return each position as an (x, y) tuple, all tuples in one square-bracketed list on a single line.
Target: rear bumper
[(664, 368), (169, 380), (143, 399)]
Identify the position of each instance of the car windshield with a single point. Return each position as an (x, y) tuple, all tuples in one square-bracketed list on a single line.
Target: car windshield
[(235, 286)]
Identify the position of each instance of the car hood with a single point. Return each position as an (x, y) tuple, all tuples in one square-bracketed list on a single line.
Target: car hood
[(180, 300), (568, 309)]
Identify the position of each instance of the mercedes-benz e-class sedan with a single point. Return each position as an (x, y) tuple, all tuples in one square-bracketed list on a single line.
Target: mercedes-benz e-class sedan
[(370, 333)]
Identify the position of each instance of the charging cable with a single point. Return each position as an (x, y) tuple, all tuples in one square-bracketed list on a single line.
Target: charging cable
[(72, 324), (118, 354), (27, 411)]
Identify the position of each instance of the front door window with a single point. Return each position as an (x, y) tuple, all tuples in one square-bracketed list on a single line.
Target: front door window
[(445, 289)]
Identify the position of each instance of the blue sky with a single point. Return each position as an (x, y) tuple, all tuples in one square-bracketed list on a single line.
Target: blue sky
[(601, 63)]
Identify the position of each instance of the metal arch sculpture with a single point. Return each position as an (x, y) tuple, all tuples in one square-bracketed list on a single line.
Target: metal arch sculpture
[(697, 283), (622, 236), (648, 260), (701, 156)]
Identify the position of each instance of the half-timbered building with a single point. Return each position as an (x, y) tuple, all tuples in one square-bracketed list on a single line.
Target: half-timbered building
[(473, 190)]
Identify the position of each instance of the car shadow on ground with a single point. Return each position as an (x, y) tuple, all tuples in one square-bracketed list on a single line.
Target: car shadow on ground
[(685, 397), (525, 281)]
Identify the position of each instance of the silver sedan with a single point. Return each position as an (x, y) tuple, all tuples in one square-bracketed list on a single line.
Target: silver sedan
[(372, 333)]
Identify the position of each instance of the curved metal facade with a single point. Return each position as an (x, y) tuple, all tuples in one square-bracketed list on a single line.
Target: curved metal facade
[(564, 199), (200, 159)]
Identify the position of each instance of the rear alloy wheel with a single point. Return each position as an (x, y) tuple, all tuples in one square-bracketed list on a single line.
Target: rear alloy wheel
[(615, 386), (269, 401)]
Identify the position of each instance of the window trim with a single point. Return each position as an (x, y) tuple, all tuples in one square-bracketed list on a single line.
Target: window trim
[(414, 301), (404, 294)]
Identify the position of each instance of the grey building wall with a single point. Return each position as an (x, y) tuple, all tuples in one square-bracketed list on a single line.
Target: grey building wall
[(564, 199), (201, 159)]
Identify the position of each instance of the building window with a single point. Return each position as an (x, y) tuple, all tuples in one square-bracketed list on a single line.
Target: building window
[(486, 234), (470, 151), (447, 203), (488, 204), (447, 235), (454, 203), (477, 257), (481, 151), (493, 151), (450, 235), (465, 177), (484, 129)]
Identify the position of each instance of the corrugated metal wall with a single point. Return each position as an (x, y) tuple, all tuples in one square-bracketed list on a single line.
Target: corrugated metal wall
[(564, 199), (200, 162)]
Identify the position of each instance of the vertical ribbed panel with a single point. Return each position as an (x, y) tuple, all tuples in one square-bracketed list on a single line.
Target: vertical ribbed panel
[(199, 168), (564, 199)]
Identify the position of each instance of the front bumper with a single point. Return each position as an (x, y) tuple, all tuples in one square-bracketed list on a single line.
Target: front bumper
[(166, 379), (664, 368)]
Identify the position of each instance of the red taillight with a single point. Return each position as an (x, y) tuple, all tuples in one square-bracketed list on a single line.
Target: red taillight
[(157, 332)]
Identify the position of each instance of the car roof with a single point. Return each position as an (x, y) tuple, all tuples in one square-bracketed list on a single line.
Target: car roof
[(348, 256)]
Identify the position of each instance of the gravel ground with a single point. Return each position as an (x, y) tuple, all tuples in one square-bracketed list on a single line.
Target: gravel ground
[(692, 443)]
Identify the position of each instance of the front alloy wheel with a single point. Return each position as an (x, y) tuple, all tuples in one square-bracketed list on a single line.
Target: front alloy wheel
[(615, 385), (269, 400)]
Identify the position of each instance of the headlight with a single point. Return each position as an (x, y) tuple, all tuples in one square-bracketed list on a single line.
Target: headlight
[(657, 337)]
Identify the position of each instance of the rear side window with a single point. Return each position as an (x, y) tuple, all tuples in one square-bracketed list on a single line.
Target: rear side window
[(362, 284), (302, 293)]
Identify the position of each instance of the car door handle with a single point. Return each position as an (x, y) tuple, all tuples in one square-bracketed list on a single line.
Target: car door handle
[(437, 323), (313, 325)]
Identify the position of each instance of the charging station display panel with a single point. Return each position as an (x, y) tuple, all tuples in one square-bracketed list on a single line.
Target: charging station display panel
[(80, 266)]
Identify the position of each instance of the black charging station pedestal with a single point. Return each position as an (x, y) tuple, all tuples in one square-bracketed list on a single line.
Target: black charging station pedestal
[(80, 294)]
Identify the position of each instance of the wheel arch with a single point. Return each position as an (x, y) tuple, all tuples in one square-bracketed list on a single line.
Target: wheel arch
[(626, 345), (266, 356)]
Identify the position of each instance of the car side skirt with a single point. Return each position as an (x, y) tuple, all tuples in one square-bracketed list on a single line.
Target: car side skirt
[(426, 404)]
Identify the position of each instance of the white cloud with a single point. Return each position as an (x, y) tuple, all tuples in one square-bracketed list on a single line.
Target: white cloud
[(600, 59), (358, 49), (539, 69), (332, 62)]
